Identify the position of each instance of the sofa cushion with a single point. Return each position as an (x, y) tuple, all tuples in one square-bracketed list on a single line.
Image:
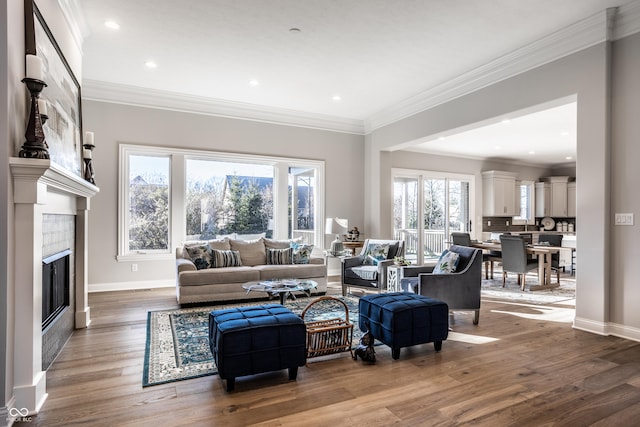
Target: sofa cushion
[(220, 259), (200, 255), (291, 271), (251, 252), (279, 256), (279, 244), (219, 244), (301, 253), (222, 276)]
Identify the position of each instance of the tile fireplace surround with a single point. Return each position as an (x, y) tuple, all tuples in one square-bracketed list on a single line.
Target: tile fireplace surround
[(41, 188)]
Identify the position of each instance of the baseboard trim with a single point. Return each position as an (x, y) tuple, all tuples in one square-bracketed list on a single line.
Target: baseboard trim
[(588, 325), (130, 286), (623, 331)]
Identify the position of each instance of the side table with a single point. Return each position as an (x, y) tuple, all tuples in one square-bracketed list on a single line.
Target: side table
[(395, 273), (353, 246)]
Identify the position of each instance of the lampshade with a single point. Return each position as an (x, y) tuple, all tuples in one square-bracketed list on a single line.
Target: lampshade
[(336, 226)]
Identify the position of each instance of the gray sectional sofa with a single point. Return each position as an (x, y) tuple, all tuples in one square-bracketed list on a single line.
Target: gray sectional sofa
[(214, 281)]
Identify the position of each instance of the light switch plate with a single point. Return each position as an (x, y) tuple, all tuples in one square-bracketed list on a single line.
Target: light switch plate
[(624, 219)]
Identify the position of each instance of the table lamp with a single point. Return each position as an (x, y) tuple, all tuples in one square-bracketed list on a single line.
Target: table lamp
[(336, 226)]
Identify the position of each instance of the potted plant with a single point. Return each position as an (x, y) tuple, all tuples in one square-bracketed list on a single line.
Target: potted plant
[(401, 261)]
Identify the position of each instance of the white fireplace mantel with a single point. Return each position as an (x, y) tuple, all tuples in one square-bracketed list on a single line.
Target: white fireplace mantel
[(40, 187)]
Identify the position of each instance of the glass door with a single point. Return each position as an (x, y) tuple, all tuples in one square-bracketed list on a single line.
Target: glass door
[(427, 209)]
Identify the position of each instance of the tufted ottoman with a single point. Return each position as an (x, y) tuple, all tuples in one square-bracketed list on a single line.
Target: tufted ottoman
[(403, 319), (256, 339)]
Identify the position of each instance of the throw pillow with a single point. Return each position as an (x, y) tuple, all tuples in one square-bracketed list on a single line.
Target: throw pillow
[(221, 259), (221, 244), (375, 253), (301, 253), (447, 262), (280, 244), (200, 255), (279, 256)]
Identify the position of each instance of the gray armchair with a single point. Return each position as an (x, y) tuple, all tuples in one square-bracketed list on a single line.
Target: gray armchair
[(460, 290), (355, 272)]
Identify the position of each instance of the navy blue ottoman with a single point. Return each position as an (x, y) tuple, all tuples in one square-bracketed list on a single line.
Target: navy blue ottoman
[(403, 319), (257, 339)]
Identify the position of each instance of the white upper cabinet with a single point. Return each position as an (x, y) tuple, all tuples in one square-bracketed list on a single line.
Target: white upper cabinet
[(498, 193), (571, 199), (553, 198)]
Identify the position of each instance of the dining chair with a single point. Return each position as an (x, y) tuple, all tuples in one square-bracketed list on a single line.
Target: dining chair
[(553, 240), (515, 260), (464, 239)]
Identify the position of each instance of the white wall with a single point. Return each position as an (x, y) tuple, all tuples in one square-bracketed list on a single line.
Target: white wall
[(115, 123), (625, 155), (583, 74)]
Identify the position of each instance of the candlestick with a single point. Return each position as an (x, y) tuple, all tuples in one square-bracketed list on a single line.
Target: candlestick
[(35, 147), (89, 174)]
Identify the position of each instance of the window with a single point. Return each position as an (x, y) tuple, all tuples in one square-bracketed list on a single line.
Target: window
[(524, 194), (168, 196), (228, 198), (147, 204)]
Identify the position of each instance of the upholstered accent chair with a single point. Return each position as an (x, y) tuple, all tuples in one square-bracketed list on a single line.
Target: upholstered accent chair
[(460, 289), (515, 259), (369, 268), (464, 239)]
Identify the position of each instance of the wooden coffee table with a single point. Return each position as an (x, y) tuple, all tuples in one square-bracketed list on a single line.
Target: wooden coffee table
[(283, 288)]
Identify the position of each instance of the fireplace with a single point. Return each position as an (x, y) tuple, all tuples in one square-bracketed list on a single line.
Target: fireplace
[(56, 276)]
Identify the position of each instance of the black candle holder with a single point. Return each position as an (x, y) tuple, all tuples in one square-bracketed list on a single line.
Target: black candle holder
[(89, 174), (35, 146)]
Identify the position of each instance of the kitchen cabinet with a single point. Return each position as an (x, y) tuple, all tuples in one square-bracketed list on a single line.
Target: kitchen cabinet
[(571, 199), (552, 197), (543, 199), (498, 193)]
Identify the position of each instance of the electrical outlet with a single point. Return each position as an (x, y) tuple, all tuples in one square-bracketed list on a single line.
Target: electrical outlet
[(488, 223), (624, 219), (507, 223), (134, 267)]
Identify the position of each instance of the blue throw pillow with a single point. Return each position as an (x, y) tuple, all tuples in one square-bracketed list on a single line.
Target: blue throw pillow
[(301, 253)]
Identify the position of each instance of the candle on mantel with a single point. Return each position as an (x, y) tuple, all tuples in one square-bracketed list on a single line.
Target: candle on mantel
[(34, 67), (42, 107), (88, 138), (87, 153)]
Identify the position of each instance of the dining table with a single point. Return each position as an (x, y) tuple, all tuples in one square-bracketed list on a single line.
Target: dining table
[(543, 254)]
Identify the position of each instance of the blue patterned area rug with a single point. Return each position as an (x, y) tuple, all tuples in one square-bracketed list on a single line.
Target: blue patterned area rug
[(178, 340)]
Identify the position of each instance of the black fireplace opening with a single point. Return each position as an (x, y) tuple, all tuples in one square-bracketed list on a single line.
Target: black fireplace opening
[(55, 286)]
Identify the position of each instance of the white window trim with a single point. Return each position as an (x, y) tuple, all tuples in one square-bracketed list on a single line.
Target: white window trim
[(177, 188)]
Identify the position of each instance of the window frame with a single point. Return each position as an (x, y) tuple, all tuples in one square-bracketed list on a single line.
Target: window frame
[(177, 189)]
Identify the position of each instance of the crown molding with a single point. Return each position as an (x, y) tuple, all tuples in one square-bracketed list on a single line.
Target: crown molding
[(576, 37), (151, 98), (627, 20)]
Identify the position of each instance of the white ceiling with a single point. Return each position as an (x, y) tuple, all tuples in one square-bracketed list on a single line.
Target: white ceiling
[(374, 54)]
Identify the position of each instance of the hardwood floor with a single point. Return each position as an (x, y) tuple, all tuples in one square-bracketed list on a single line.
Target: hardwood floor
[(522, 365)]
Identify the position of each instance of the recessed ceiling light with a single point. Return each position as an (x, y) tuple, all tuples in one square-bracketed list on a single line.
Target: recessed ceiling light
[(151, 64), (569, 158), (442, 138), (532, 152), (506, 121), (497, 147), (294, 30), (254, 82), (336, 98), (112, 25), (565, 133)]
